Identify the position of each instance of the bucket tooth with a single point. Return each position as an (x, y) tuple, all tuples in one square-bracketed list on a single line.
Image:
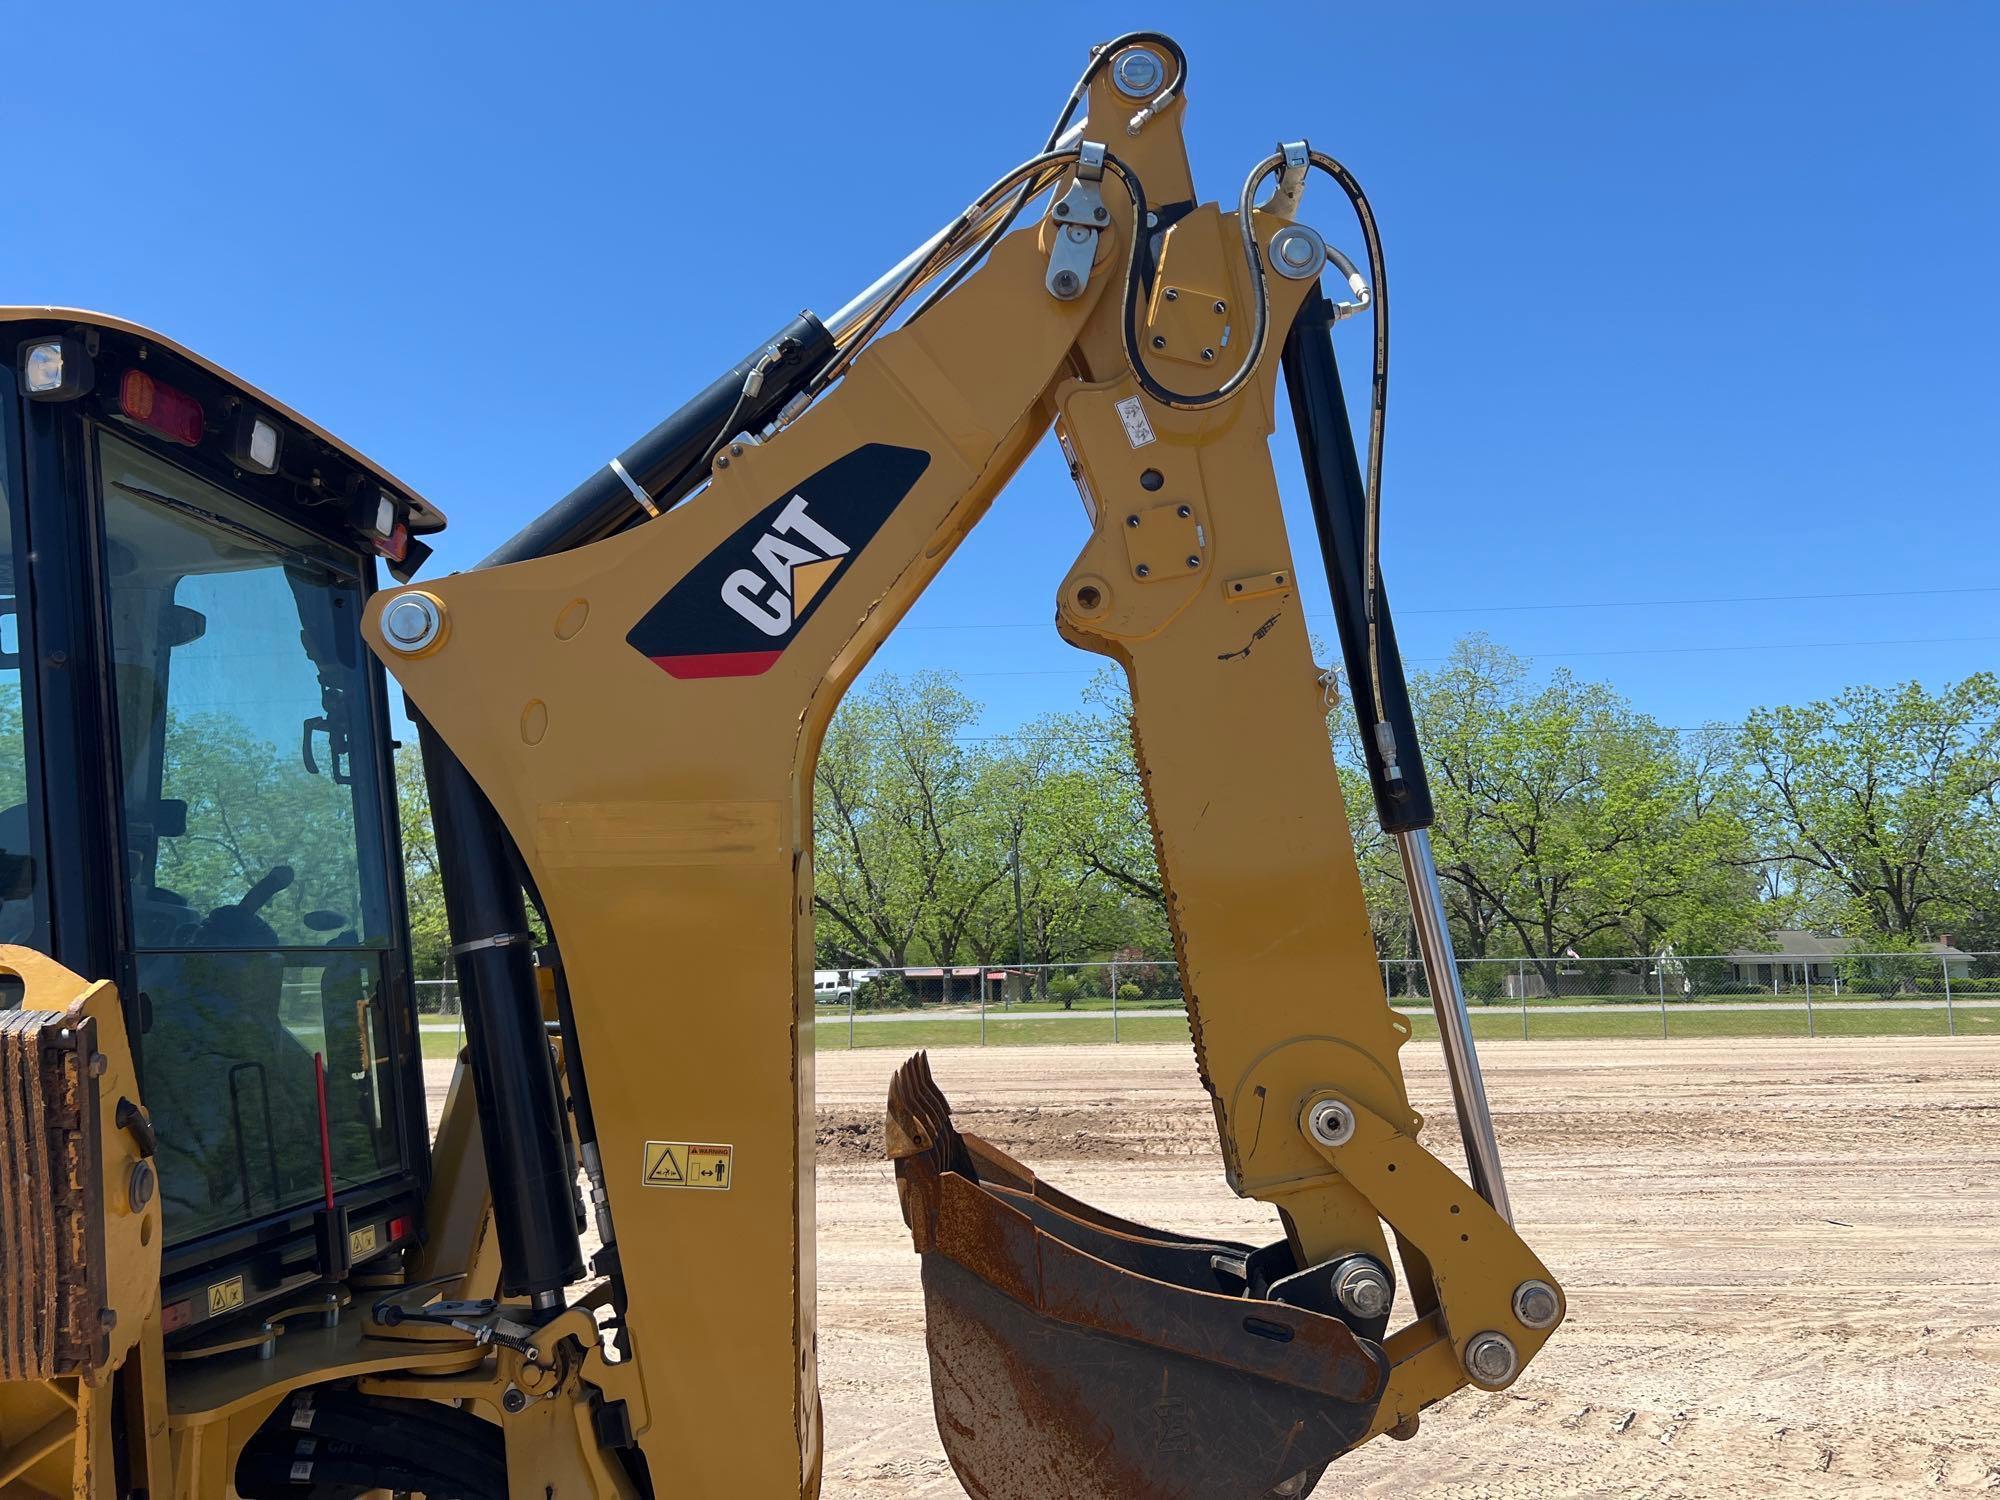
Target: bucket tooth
[(1075, 1354)]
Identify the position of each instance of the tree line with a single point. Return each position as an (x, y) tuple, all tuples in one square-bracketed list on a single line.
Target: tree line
[(1568, 822)]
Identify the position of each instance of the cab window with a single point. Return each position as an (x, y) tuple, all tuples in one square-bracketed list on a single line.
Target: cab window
[(254, 845), (23, 905)]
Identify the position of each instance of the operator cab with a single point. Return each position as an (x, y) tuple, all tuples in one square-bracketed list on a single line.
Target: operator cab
[(197, 797)]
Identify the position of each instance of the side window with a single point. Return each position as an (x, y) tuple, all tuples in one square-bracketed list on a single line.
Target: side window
[(23, 886), (254, 845), (241, 700)]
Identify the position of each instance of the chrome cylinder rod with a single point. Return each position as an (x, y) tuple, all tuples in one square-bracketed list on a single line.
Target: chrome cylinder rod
[(1461, 1058)]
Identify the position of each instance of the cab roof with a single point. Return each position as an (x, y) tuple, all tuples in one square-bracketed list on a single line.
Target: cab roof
[(424, 518)]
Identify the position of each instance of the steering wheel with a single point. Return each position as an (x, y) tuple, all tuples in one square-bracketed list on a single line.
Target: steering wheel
[(259, 895), (240, 926)]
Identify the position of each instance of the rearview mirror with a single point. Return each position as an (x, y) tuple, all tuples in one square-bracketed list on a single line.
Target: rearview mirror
[(169, 819)]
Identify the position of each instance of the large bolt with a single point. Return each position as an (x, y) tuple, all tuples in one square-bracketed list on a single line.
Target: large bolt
[(411, 623), (139, 1186), (1065, 285), (1137, 73), (1490, 1359), (1331, 1123), (1297, 252), (1536, 1304), (1363, 1290), (513, 1399)]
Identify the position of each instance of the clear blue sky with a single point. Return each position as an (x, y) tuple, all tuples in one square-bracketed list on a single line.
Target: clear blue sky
[(1692, 301)]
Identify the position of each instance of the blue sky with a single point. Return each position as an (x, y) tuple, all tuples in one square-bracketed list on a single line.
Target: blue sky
[(1692, 302)]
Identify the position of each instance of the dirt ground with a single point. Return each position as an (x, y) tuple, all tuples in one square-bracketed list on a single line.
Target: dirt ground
[(1782, 1259)]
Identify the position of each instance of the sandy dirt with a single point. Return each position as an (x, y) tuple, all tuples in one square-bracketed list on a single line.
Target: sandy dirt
[(1782, 1259)]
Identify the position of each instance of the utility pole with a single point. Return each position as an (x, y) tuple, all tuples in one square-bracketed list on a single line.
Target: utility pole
[(1020, 939)]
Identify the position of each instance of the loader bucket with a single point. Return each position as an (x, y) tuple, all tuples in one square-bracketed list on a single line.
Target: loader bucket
[(1078, 1355)]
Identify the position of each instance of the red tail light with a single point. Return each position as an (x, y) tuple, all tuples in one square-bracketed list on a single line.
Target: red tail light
[(400, 1227), (160, 409), (396, 545)]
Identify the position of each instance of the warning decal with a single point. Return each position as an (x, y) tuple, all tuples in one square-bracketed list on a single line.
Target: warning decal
[(686, 1164), (225, 1296), (1138, 431)]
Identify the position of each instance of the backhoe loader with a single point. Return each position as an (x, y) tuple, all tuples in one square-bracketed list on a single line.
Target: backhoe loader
[(234, 1260)]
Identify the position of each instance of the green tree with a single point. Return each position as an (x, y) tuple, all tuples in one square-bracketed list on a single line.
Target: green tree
[(13, 744), (1049, 791), (1878, 807), (1568, 821), (1108, 826), (423, 884), (251, 807), (902, 839)]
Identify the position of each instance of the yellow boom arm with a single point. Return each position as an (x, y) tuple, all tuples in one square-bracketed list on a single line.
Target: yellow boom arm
[(645, 713)]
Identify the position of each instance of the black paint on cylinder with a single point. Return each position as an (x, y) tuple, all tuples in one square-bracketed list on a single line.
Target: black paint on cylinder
[(520, 1116), (665, 461), (1333, 478)]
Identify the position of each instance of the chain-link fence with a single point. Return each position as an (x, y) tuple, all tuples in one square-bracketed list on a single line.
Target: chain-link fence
[(1138, 999)]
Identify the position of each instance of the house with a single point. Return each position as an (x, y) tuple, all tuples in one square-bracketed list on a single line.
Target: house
[(960, 984), (1797, 958)]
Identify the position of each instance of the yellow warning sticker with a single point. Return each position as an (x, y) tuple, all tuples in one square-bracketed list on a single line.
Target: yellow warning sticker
[(688, 1164), (225, 1296), (361, 1242)]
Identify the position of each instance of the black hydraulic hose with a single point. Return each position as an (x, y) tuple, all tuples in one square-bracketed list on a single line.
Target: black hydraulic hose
[(1177, 84), (1378, 415)]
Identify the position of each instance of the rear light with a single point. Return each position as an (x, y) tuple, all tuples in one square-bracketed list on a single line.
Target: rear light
[(379, 517), (177, 1315), (160, 409), (400, 1227), (57, 369)]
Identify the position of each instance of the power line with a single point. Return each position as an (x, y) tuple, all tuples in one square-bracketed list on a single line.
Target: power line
[(1921, 640), (1503, 609)]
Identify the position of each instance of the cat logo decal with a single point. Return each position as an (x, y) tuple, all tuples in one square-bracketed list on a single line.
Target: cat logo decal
[(735, 611)]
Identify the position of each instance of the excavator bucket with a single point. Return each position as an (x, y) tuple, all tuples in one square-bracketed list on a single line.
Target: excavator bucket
[(1079, 1355)]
